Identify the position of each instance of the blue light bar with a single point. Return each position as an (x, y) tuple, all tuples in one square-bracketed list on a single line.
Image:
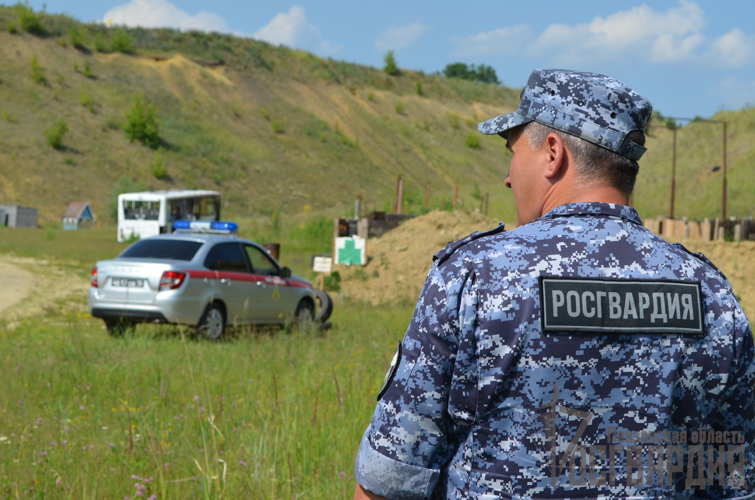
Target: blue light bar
[(202, 226)]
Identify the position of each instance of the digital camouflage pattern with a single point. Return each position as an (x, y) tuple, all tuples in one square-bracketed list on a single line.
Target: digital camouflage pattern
[(466, 415), (591, 106)]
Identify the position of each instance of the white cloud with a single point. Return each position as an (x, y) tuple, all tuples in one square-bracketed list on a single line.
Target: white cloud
[(672, 36), (734, 49), (509, 40), (292, 28), (163, 14), (400, 37)]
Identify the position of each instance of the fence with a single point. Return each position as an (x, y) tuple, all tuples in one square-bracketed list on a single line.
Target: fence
[(731, 229)]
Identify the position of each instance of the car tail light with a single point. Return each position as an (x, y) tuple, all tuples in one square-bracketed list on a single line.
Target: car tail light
[(93, 277), (170, 280)]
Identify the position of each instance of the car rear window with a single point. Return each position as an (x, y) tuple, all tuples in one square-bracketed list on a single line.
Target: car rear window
[(162, 249)]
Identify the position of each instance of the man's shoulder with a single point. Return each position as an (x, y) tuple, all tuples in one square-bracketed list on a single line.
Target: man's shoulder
[(442, 256)]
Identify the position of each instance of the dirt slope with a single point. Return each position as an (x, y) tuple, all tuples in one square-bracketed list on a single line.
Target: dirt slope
[(399, 261)]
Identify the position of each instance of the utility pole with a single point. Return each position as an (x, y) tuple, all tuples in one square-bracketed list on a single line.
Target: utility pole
[(723, 198), (673, 176)]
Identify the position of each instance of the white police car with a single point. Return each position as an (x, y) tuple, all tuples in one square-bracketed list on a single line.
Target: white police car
[(202, 275)]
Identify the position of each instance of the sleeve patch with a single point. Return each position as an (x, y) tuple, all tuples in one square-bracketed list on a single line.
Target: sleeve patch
[(391, 372)]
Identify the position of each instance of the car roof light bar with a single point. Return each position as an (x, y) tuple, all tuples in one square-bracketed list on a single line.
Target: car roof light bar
[(201, 226)]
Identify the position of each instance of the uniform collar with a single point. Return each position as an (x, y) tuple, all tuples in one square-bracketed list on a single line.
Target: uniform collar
[(594, 209)]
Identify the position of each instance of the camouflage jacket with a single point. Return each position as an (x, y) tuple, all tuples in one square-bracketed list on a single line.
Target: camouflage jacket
[(578, 356)]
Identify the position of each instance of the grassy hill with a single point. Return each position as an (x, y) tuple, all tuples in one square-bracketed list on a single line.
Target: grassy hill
[(279, 129)]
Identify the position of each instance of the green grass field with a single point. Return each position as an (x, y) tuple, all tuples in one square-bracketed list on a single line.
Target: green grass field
[(267, 413)]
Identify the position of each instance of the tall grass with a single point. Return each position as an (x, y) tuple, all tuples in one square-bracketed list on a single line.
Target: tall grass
[(266, 414)]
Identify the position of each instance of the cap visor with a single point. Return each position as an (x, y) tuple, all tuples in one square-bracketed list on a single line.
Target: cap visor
[(502, 124)]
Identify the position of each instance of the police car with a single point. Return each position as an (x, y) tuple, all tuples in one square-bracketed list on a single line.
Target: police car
[(201, 275)]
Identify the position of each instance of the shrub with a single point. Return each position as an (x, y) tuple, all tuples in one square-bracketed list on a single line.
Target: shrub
[(370, 96), (122, 42), (472, 141), (99, 42), (419, 89), (277, 127), (30, 21), (74, 36), (8, 117), (159, 169), (86, 100), (332, 283), (55, 134), (453, 120), (471, 123), (62, 42), (141, 122), (87, 69), (390, 66), (36, 70), (12, 28), (265, 114), (400, 107)]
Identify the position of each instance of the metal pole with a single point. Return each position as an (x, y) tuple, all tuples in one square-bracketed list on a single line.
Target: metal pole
[(673, 177), (723, 201)]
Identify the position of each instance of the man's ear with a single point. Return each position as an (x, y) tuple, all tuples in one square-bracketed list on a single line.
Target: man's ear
[(557, 159)]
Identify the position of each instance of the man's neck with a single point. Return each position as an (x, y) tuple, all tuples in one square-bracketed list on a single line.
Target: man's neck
[(602, 194)]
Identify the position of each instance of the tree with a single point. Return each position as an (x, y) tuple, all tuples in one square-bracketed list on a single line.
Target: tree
[(390, 64), (481, 73), (141, 122), (122, 42)]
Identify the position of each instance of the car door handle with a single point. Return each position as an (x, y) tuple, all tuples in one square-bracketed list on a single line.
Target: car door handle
[(261, 283), (226, 281)]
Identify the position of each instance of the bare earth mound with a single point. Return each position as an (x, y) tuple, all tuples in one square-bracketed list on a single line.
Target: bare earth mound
[(398, 262)]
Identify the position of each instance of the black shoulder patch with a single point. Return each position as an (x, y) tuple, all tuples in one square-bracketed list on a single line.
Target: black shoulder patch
[(449, 249), (628, 307), (391, 372)]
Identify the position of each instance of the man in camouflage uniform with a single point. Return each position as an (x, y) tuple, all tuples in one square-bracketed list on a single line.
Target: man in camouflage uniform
[(578, 355)]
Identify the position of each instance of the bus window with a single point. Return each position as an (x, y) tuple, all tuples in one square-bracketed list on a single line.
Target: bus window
[(153, 210), (141, 210), (209, 209)]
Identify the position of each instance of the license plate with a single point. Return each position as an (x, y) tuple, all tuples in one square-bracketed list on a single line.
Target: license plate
[(127, 283)]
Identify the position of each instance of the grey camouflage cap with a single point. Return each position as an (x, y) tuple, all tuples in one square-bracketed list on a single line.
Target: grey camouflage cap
[(591, 106)]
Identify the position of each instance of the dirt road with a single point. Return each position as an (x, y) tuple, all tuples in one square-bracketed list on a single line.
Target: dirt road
[(16, 284)]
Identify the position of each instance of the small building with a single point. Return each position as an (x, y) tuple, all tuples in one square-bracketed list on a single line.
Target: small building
[(18, 216), (78, 215)]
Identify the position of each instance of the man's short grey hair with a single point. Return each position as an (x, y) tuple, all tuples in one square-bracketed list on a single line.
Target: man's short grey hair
[(593, 163)]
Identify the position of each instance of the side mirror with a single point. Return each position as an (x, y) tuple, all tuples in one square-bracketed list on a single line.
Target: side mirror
[(286, 272)]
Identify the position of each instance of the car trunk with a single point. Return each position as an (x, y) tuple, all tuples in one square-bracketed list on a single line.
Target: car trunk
[(130, 282)]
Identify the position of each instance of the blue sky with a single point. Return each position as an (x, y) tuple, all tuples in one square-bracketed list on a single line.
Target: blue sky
[(688, 58)]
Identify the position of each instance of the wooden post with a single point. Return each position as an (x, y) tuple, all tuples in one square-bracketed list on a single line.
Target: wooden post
[(397, 209), (400, 195), (456, 195), (427, 196), (322, 281), (486, 203)]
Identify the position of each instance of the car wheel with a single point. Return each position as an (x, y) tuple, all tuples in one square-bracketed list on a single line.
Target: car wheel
[(118, 327), (304, 315), (212, 324), (326, 306)]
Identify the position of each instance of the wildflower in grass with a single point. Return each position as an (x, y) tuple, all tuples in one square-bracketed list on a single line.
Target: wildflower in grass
[(242, 463), (64, 442), (196, 398), (342, 474), (166, 464), (112, 445), (112, 470), (235, 429)]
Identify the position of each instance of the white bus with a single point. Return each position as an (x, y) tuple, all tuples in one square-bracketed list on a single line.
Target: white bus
[(153, 212)]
